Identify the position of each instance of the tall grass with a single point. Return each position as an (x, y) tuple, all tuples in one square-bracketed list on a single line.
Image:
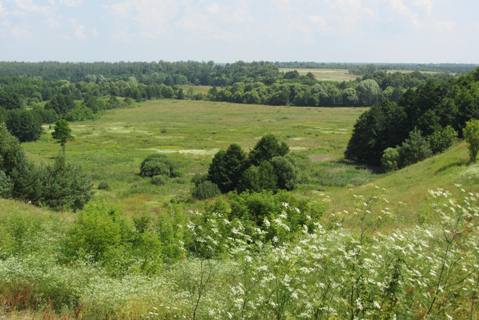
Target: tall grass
[(321, 272)]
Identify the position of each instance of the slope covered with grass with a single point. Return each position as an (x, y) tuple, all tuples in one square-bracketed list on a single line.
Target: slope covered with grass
[(407, 190)]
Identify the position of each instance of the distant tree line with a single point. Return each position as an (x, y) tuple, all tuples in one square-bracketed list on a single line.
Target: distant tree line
[(32, 94), (363, 68)]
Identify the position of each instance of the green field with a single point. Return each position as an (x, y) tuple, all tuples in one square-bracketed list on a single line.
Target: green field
[(324, 74), (191, 132)]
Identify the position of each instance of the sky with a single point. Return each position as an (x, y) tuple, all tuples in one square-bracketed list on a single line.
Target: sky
[(410, 31)]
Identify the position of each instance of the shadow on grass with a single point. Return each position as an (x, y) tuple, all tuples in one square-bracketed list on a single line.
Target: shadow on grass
[(458, 163)]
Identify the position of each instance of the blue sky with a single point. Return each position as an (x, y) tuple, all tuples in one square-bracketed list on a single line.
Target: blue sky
[(227, 30)]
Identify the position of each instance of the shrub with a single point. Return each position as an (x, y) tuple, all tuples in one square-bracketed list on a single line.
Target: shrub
[(64, 186), (24, 125), (12, 156), (267, 176), (103, 186), (205, 190), (442, 139), (266, 149), (227, 167), (414, 149), (45, 115), (159, 180), (80, 113), (101, 236), (390, 159), (157, 165), (471, 134), (250, 180), (6, 185), (285, 172)]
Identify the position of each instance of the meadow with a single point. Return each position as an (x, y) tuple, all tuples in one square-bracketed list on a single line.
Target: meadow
[(112, 147), (376, 249)]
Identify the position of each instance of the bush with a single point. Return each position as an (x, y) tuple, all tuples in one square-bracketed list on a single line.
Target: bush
[(24, 125), (266, 149), (390, 159), (267, 176), (471, 134), (80, 113), (159, 180), (205, 190), (227, 167), (157, 165), (103, 186), (414, 149), (285, 172), (64, 186), (250, 180), (45, 115), (264, 169), (6, 185), (101, 236), (442, 139)]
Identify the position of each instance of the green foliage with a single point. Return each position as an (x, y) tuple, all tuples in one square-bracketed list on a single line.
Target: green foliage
[(285, 171), (64, 186), (381, 127), (12, 156), (6, 185), (436, 103), (227, 167), (103, 185), (390, 160), (250, 180), (100, 235), (159, 180), (368, 92), (205, 190), (266, 149), (414, 149), (62, 132), (61, 104), (267, 176), (265, 168), (158, 165), (24, 125), (80, 113), (259, 216), (471, 134), (441, 139)]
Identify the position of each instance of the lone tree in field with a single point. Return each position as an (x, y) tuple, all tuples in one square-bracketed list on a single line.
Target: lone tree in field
[(62, 133), (471, 134)]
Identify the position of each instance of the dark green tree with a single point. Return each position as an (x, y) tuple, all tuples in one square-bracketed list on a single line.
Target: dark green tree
[(266, 149), (24, 125), (227, 167), (285, 173)]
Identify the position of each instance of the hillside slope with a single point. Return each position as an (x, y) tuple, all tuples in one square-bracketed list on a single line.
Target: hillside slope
[(407, 190)]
